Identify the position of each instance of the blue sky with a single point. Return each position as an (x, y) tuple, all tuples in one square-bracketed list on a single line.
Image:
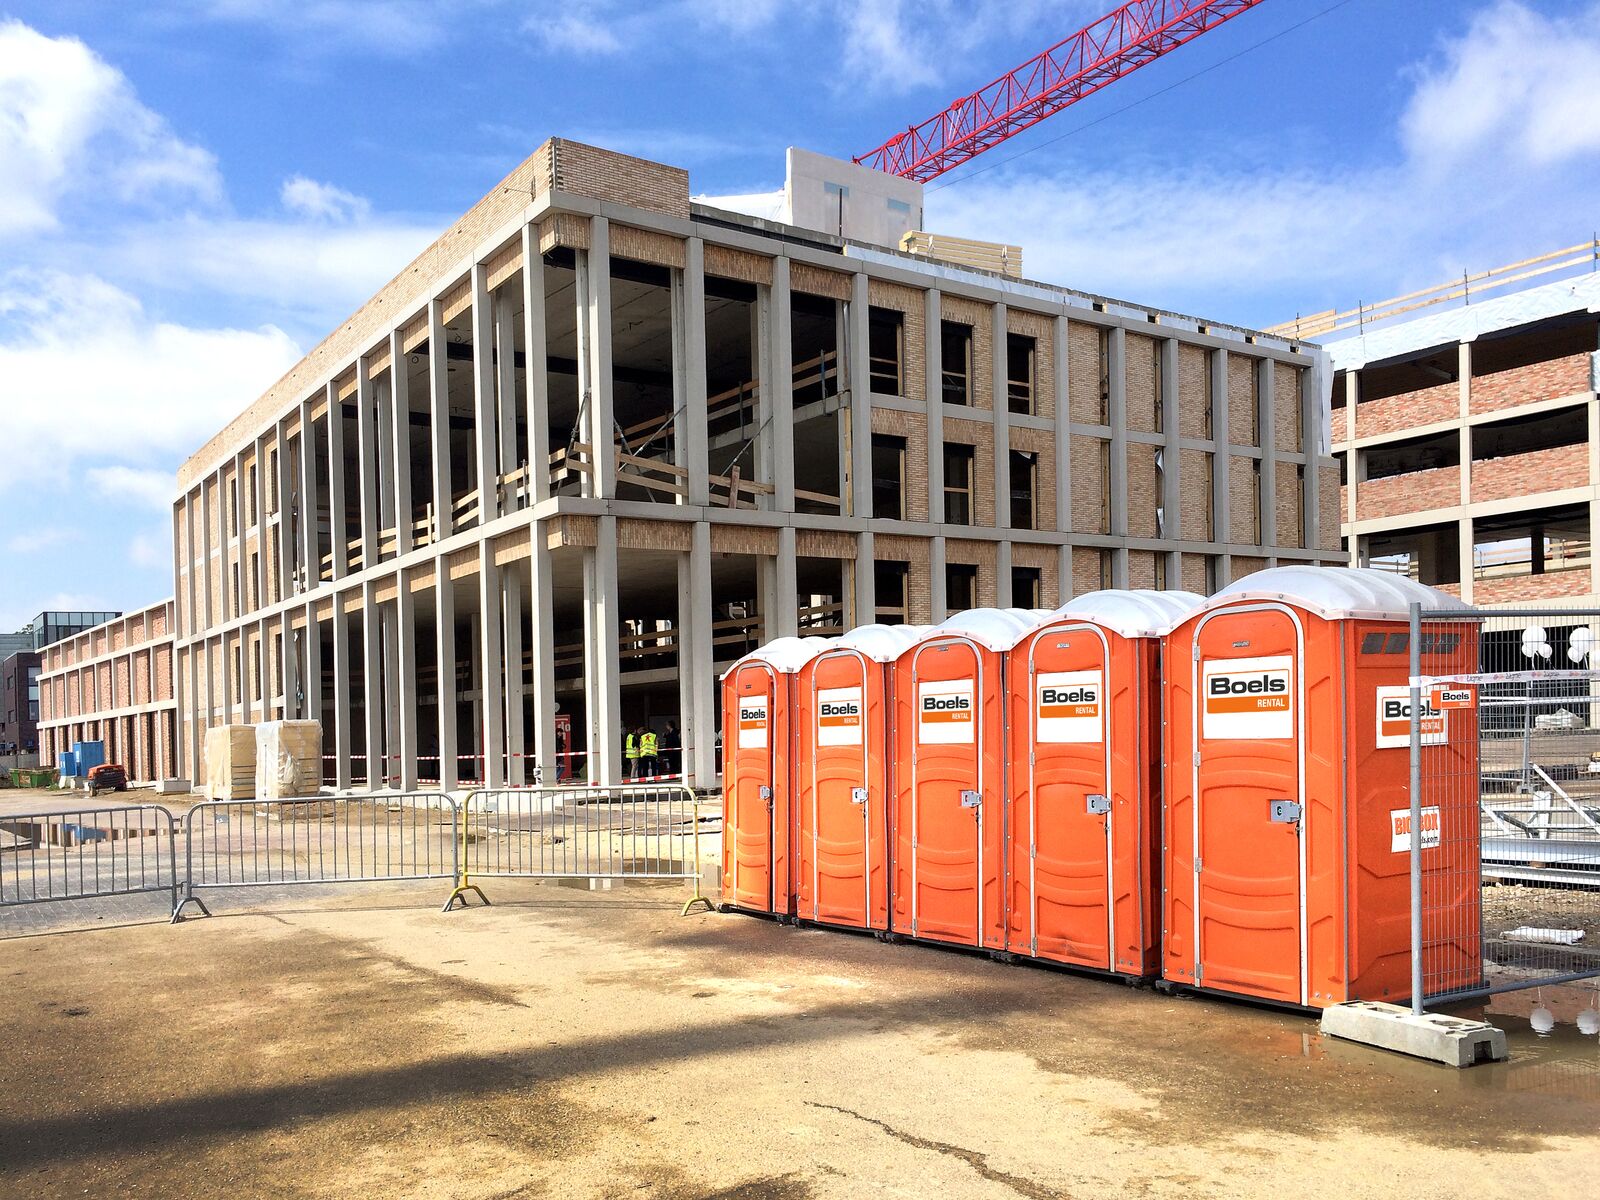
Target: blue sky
[(193, 192)]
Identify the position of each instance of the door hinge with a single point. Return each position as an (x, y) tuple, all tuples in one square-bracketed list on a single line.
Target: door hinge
[(1194, 652), (1197, 864), (1197, 758), (1199, 972)]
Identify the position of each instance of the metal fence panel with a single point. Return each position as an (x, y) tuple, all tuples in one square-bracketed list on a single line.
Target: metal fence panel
[(381, 836), (632, 831), (1531, 785), (74, 854)]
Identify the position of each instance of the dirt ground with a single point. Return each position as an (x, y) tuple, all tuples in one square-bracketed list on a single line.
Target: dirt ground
[(567, 1043)]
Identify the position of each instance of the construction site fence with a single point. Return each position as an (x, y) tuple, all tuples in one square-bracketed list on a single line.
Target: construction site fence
[(1506, 759), (72, 854)]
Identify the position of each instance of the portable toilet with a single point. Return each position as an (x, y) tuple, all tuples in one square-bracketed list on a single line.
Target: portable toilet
[(1084, 774), (1285, 879), (843, 776), (948, 809), (758, 774)]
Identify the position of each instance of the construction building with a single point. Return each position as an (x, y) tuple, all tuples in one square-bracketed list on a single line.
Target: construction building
[(599, 439), (114, 683), (1467, 427)]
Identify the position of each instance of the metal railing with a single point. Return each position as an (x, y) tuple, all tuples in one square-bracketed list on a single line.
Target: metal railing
[(1505, 759), (631, 831), (375, 838), (74, 854)]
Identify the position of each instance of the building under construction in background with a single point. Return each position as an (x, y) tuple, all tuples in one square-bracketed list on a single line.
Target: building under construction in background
[(1467, 425), (598, 440)]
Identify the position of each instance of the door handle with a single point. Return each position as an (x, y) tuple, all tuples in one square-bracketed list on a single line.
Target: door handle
[(766, 794), (1097, 805), (970, 799), (1284, 812), (858, 795)]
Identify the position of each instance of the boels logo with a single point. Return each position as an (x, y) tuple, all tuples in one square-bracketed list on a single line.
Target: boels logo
[(847, 712), (951, 708), (1394, 719), (1252, 692), (1059, 702), (753, 715)]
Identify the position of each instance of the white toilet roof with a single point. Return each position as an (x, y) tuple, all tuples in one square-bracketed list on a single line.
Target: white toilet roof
[(1336, 593), (786, 655), (1132, 613), (880, 643), (993, 628)]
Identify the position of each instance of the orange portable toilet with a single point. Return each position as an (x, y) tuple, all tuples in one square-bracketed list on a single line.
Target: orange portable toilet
[(1287, 875), (1084, 755), (842, 777), (949, 788), (758, 775)]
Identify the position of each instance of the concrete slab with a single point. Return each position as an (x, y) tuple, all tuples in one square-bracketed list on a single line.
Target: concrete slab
[(169, 787), (1453, 1041)]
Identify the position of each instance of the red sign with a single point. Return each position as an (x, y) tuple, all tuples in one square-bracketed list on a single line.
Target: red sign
[(1454, 696)]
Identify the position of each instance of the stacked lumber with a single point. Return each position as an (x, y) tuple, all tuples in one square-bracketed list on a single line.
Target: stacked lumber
[(288, 759), (230, 766)]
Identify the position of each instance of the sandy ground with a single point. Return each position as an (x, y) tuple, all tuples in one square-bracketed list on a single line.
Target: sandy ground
[(567, 1043)]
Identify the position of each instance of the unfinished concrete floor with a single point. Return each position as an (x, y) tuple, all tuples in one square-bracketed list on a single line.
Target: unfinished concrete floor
[(563, 1043)]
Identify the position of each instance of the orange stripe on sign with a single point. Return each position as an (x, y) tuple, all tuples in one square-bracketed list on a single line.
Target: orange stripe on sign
[(1247, 704), (1050, 711), (840, 721), (961, 717), (753, 723)]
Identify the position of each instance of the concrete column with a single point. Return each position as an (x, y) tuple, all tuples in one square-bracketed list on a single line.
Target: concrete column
[(695, 659), (764, 460), (505, 368), (779, 385), (1268, 500), (1174, 522), (341, 693), (1002, 575), (1593, 411), (476, 751), (1118, 411), (866, 582), (1063, 407), (207, 565), (1311, 433), (445, 649), (1464, 558), (602, 631), (594, 358), (492, 683), (367, 442), (283, 485), (511, 594), (1002, 430), (372, 708), (305, 506), (339, 538), (933, 355), (938, 597), (485, 416), (1222, 443), (393, 700), (404, 686), (536, 377), (859, 368), (400, 419), (784, 618), (313, 675), (542, 691), (690, 442), (439, 418), (383, 465)]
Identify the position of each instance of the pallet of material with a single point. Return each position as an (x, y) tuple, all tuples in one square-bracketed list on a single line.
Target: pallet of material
[(288, 759), (230, 767)]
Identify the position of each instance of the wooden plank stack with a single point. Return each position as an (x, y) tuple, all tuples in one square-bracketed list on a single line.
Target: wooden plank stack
[(230, 766), (288, 759)]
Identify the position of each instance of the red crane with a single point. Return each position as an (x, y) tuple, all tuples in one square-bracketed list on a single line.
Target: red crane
[(1117, 44)]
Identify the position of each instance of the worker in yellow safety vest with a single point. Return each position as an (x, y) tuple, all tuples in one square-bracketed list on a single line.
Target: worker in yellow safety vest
[(647, 753), (630, 751)]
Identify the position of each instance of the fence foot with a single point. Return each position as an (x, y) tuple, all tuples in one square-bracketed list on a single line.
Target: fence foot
[(697, 898), (461, 894), (177, 913)]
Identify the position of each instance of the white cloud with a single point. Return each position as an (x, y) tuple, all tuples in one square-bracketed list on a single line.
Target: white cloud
[(141, 486), (87, 369), (65, 113), (575, 33), (34, 541), (1515, 84), (152, 549), (323, 201)]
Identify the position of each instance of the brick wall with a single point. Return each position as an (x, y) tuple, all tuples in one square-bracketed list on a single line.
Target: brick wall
[(910, 304), (1550, 585), (1045, 560), (1331, 503), (1416, 491), (1290, 507), (1141, 569), (1088, 483), (1536, 381), (1192, 569), (1083, 374), (1532, 473), (1242, 501), (981, 555), (1442, 402), (1245, 565), (1194, 370), (1085, 570), (1286, 407), (1194, 522), (1144, 492), (1339, 425), (1241, 400), (1142, 381), (1042, 331), (980, 436)]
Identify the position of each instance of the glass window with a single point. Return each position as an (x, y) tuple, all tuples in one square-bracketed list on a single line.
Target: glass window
[(888, 477), (1026, 587), (1020, 355), (955, 356), (958, 483), (1024, 469), (889, 585), (885, 351), (960, 586)]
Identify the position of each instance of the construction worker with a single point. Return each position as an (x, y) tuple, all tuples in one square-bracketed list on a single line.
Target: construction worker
[(648, 763), (630, 752)]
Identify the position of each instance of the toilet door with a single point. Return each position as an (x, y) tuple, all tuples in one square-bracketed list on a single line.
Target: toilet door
[(1249, 698), (753, 802), (836, 835), (1069, 862)]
